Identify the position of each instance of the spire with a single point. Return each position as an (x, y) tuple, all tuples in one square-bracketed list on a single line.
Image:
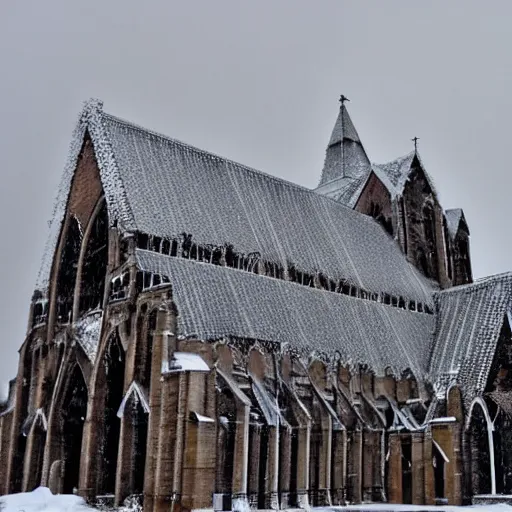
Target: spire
[(345, 155)]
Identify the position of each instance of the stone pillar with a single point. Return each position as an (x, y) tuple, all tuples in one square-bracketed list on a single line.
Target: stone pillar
[(355, 466), (304, 433), (418, 469), (339, 468), (200, 443), (395, 469), (255, 432), (165, 321), (167, 489), (378, 461), (241, 453), (430, 498), (272, 477), (5, 435), (324, 491), (285, 461), (367, 465), (458, 464)]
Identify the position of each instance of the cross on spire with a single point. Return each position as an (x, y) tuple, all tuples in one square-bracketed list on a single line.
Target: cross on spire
[(343, 98), (415, 140)]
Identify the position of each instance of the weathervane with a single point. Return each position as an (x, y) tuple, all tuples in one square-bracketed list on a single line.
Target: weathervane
[(343, 98), (415, 140)]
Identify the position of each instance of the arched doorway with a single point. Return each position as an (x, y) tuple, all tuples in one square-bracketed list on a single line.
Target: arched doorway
[(72, 418), (438, 463), (113, 366), (481, 449)]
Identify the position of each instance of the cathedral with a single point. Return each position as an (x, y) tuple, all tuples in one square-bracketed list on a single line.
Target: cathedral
[(206, 336)]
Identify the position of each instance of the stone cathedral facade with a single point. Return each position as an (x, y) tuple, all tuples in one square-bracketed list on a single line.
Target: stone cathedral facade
[(204, 335)]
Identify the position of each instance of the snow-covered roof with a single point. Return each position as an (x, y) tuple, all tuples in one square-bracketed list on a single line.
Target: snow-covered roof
[(346, 189), (217, 302), (453, 218), (469, 319), (164, 187), (394, 174)]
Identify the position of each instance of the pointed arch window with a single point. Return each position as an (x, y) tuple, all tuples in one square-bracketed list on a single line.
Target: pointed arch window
[(94, 267), (66, 279)]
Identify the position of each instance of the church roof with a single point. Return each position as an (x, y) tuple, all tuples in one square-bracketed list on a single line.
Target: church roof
[(163, 187), (395, 174), (214, 302), (453, 218), (469, 319)]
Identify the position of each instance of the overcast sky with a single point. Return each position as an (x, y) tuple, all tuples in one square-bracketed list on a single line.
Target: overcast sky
[(257, 82)]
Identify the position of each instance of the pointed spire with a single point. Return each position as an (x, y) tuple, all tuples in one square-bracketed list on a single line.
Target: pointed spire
[(345, 156)]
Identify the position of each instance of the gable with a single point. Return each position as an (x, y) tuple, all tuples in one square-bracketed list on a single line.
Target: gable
[(375, 201)]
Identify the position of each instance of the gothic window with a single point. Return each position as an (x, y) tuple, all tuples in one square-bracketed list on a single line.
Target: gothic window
[(429, 225), (95, 263), (114, 365), (67, 271), (73, 414)]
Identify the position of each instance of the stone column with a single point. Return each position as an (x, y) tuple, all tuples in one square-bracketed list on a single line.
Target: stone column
[(367, 465), (168, 456), (430, 497), (285, 461), (255, 432), (418, 469), (395, 469), (304, 433), (272, 480), (165, 323), (339, 468), (324, 491), (241, 458)]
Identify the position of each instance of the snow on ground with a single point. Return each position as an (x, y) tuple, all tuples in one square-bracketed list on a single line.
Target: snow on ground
[(42, 500), (384, 507)]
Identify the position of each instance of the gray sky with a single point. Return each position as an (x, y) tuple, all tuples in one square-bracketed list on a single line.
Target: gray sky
[(257, 82)]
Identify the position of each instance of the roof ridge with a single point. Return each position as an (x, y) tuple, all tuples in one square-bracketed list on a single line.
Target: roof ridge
[(403, 157)]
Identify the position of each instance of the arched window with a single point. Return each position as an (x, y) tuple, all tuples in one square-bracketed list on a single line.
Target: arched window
[(95, 263), (67, 271), (429, 227), (113, 382), (73, 413)]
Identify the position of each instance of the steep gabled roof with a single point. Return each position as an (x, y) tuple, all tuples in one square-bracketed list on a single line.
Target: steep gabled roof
[(469, 319), (345, 155), (217, 302), (395, 174), (453, 220), (163, 187)]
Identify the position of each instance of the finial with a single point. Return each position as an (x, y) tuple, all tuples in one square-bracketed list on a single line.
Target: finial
[(415, 140), (343, 98)]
